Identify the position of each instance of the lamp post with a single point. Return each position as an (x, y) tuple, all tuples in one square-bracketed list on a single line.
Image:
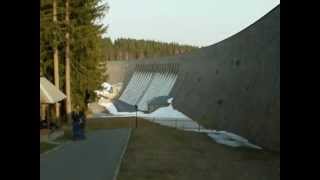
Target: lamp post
[(136, 108)]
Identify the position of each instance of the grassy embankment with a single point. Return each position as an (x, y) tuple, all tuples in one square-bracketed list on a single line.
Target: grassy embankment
[(155, 153)]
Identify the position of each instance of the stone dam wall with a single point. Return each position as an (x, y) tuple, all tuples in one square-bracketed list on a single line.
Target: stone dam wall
[(233, 85)]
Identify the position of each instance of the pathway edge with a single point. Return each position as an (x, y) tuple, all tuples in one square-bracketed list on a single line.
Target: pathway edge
[(122, 155)]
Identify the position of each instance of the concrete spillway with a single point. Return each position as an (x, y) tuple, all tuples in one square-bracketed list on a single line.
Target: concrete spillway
[(233, 85), (136, 87), (146, 85)]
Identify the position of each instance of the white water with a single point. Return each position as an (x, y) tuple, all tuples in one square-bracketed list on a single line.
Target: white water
[(124, 95), (161, 85), (136, 87)]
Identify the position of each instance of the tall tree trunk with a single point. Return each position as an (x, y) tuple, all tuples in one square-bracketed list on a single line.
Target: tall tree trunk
[(67, 65), (141, 55), (56, 61), (43, 111), (126, 57)]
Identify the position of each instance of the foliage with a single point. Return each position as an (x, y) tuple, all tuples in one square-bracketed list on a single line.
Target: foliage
[(86, 45), (124, 49)]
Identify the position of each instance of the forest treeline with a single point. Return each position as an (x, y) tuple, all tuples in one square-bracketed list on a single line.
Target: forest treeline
[(130, 49)]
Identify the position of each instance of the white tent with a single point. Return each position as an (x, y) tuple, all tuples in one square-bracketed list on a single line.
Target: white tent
[(49, 94)]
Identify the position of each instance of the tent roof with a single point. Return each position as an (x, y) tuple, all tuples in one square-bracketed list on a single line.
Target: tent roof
[(49, 94)]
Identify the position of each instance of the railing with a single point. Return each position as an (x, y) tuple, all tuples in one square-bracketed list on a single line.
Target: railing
[(183, 124)]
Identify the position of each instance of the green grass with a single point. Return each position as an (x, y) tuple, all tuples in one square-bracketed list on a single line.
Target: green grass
[(44, 147), (155, 153), (103, 123), (113, 123), (67, 136)]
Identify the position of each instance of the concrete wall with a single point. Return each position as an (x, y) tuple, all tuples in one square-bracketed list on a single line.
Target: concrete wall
[(118, 71), (233, 85)]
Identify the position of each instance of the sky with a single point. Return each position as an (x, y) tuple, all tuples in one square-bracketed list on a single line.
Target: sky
[(193, 22)]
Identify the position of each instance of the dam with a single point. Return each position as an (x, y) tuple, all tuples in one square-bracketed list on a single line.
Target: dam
[(233, 85)]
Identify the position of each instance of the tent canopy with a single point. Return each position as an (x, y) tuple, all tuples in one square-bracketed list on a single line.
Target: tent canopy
[(49, 94)]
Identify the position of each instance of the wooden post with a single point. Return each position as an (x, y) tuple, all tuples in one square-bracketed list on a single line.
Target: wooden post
[(48, 118), (136, 107), (176, 124)]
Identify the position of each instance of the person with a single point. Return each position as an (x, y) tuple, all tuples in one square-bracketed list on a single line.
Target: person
[(82, 122), (75, 125)]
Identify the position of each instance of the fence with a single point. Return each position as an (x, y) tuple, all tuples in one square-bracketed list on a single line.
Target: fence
[(183, 124)]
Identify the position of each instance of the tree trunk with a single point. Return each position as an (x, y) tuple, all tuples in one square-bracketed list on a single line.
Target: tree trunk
[(43, 111), (141, 55), (56, 61), (67, 65), (126, 55)]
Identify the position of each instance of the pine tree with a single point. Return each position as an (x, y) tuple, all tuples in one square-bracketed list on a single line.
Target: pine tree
[(87, 47), (124, 48), (85, 54)]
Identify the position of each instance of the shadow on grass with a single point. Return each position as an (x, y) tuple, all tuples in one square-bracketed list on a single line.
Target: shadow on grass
[(45, 146)]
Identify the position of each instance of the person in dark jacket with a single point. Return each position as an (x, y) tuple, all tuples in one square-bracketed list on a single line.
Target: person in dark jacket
[(75, 125), (82, 122)]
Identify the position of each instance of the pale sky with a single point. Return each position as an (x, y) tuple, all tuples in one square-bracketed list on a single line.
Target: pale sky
[(194, 22)]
